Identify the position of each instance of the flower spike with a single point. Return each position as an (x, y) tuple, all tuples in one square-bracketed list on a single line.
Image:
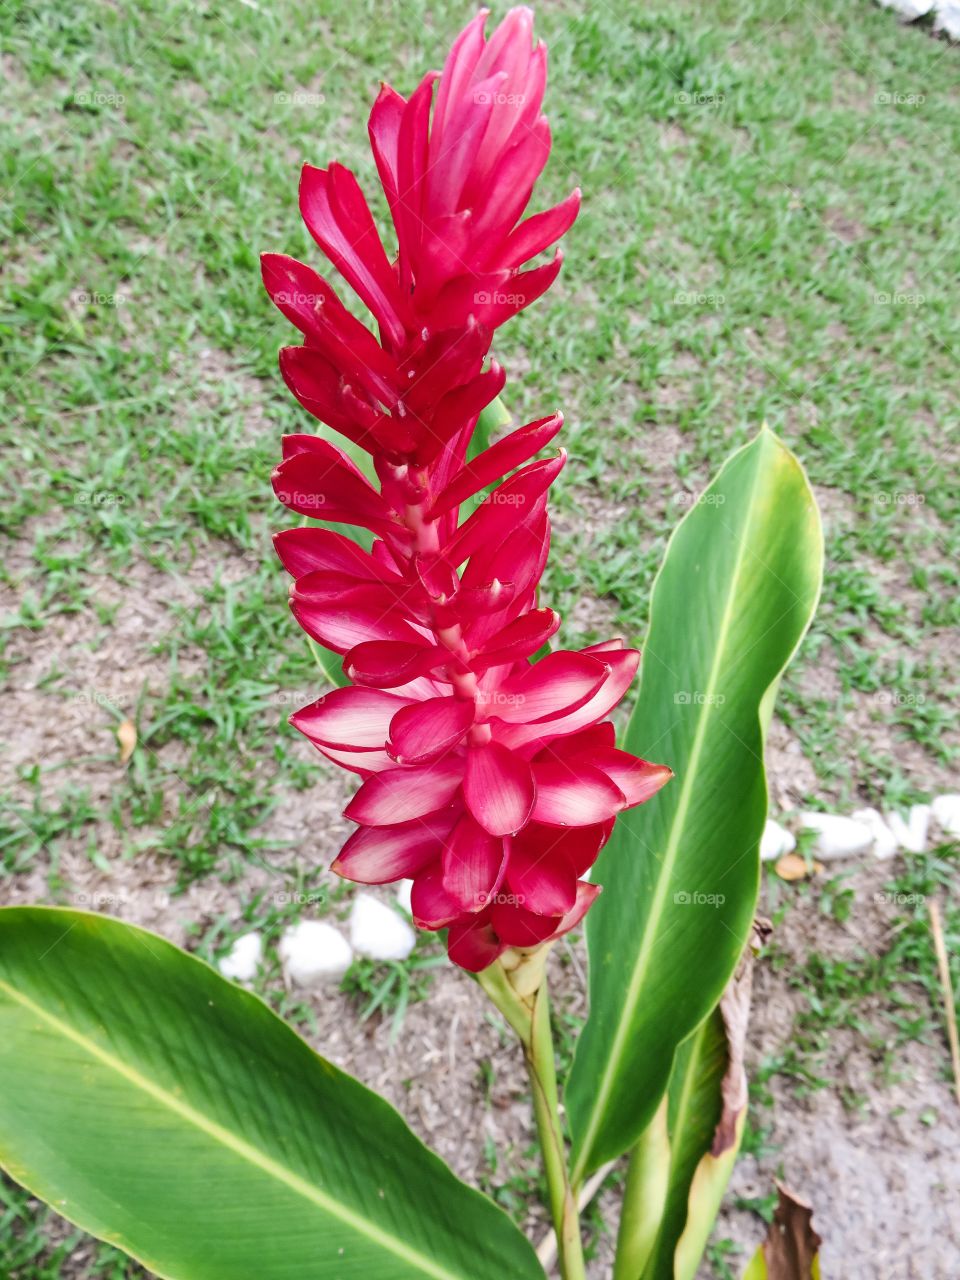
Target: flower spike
[(490, 779)]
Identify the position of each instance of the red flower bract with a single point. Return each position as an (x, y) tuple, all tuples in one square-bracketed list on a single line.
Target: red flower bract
[(489, 779)]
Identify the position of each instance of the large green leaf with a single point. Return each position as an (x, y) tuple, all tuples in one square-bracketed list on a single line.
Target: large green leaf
[(171, 1113), (734, 595)]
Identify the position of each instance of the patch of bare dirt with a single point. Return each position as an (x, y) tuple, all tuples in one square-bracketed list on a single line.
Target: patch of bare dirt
[(72, 681), (673, 137), (840, 224), (882, 1174)]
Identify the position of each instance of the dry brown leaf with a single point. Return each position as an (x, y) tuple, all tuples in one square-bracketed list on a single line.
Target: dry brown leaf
[(735, 1011), (792, 1244), (792, 866), (127, 737)]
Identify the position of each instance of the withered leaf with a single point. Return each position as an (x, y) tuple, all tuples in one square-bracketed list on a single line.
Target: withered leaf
[(127, 737), (792, 1244), (794, 867)]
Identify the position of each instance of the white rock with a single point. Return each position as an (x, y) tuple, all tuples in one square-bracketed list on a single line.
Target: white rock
[(947, 20), (377, 931), (313, 952), (946, 814), (909, 10), (885, 843), (912, 833), (243, 959), (837, 837), (776, 841), (404, 889)]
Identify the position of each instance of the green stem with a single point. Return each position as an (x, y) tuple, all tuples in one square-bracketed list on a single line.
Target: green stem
[(541, 1069), (529, 1016), (644, 1197)]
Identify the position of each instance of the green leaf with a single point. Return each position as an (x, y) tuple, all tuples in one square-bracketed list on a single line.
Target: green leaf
[(677, 1144), (330, 664), (172, 1114), (697, 1179), (490, 422), (644, 1197), (734, 595), (757, 1267)]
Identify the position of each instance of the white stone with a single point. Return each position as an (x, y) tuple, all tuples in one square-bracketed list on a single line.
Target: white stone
[(404, 889), (947, 20), (243, 959), (377, 931), (837, 837), (313, 952), (909, 10), (885, 843), (776, 841), (911, 833), (946, 814)]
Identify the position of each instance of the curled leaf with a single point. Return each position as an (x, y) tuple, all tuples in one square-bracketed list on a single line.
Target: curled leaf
[(793, 866), (791, 1249), (735, 1011), (127, 737)]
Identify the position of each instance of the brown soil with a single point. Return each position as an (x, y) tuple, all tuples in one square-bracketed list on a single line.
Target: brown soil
[(881, 1171)]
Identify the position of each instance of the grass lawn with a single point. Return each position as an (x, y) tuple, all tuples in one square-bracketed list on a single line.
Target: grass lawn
[(769, 233)]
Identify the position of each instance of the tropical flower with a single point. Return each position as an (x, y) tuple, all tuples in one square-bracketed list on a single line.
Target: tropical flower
[(489, 778)]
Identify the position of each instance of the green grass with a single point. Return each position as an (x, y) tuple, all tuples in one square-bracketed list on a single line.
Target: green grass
[(27, 1253), (752, 194), (887, 998)]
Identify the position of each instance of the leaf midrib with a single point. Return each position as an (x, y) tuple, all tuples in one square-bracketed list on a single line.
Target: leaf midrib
[(259, 1159), (602, 1093)]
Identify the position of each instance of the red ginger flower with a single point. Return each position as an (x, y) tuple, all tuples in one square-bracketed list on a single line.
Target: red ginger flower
[(490, 781)]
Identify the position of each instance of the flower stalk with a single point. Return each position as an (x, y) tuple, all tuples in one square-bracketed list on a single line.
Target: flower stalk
[(517, 985)]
